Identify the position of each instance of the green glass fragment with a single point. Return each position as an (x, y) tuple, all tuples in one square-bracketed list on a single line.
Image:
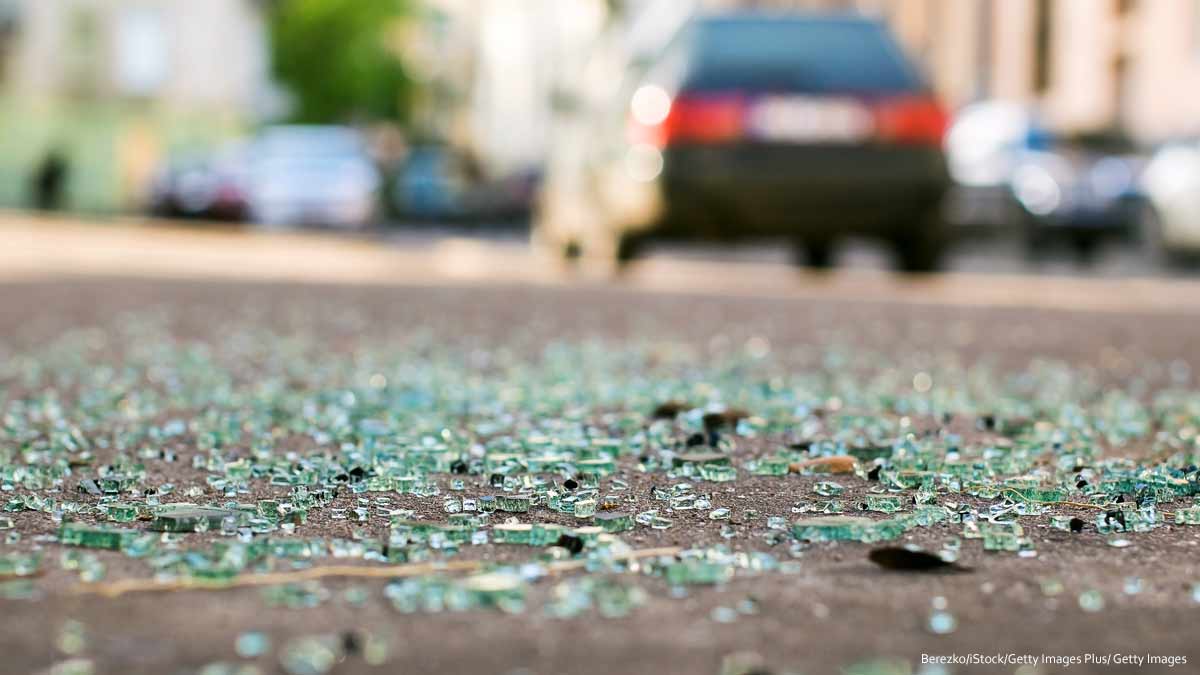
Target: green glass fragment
[(93, 536), (19, 564), (515, 533), (614, 522), (122, 513), (697, 572), (512, 503), (831, 528), (883, 503), (189, 518)]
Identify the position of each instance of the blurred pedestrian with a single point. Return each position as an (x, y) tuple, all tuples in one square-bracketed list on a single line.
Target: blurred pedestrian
[(50, 180)]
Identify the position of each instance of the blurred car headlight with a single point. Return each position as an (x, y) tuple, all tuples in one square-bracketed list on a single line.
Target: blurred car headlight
[(643, 162), (1037, 190), (985, 141), (1174, 170), (650, 105)]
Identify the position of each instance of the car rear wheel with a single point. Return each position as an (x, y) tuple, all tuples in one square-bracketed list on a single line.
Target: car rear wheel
[(815, 253), (923, 248), (629, 248), (1155, 247), (1086, 247)]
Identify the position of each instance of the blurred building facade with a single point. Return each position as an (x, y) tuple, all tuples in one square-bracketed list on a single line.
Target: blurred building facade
[(114, 84), (514, 64), (493, 69), (181, 53)]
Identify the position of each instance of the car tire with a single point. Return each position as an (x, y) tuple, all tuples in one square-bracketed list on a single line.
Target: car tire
[(1086, 248), (923, 249), (1157, 250), (628, 249), (817, 254), (1153, 245), (1035, 243)]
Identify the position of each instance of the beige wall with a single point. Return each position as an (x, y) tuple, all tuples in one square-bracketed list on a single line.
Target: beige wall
[(1082, 50), (1013, 50), (1164, 89), (953, 53)]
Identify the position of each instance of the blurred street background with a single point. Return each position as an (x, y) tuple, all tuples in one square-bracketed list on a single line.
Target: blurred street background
[(1024, 136)]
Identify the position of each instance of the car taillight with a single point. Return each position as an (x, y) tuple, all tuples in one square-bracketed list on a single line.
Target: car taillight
[(659, 121), (916, 120), (689, 118), (705, 119)]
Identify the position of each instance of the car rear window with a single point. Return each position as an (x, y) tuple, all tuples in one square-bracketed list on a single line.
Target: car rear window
[(809, 55)]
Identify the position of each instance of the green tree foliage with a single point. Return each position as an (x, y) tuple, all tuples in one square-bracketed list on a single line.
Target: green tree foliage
[(334, 58)]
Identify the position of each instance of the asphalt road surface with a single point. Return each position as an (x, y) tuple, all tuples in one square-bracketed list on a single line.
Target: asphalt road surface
[(69, 294)]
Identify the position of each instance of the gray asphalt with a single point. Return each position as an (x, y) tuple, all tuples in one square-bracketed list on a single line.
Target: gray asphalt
[(838, 611)]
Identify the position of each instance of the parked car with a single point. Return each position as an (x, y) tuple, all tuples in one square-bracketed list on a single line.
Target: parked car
[(1079, 193), (430, 185), (808, 127), (984, 146), (210, 186), (312, 175), (438, 184), (1171, 183)]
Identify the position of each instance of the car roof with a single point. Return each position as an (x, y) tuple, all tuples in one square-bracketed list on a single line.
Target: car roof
[(815, 52), (308, 139)]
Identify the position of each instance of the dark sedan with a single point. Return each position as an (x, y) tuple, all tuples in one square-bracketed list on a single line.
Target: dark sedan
[(813, 128)]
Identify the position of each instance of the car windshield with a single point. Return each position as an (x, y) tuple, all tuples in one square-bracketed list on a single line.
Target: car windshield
[(810, 55)]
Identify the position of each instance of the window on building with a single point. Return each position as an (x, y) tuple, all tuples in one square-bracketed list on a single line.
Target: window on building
[(141, 52)]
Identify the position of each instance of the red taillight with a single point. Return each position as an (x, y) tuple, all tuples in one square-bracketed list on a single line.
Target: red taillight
[(725, 117), (916, 120), (694, 118), (706, 119)]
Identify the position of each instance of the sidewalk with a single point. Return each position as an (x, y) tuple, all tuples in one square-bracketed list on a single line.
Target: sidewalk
[(36, 247)]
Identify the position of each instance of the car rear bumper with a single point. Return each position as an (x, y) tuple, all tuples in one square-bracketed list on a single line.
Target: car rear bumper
[(1115, 218), (749, 190)]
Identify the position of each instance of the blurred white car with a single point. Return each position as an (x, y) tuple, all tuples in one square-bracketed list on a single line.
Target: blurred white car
[(1171, 183), (313, 175)]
